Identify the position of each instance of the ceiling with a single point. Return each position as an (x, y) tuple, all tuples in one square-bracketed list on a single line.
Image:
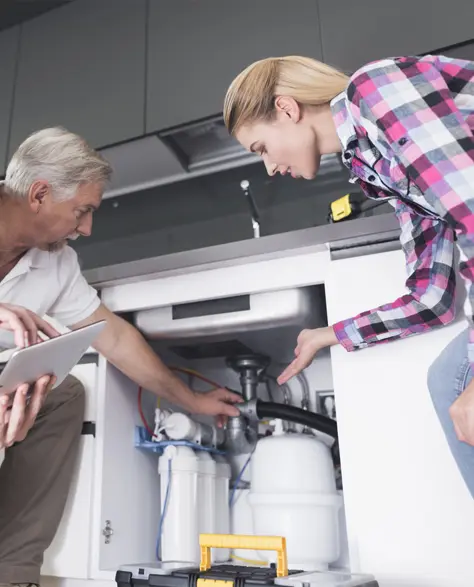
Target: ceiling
[(14, 12)]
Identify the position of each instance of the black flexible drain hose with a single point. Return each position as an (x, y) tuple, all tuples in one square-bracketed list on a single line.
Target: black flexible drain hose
[(297, 415)]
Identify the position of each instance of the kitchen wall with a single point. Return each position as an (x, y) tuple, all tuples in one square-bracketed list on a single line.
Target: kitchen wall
[(207, 211)]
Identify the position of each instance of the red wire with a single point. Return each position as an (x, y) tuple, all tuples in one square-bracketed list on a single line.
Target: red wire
[(195, 374), (142, 415)]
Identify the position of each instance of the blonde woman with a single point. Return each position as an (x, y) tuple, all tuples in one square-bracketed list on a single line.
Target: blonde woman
[(404, 127)]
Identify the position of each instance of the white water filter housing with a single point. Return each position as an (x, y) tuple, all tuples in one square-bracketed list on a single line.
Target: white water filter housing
[(293, 494), (179, 537), (179, 426), (222, 512), (206, 508)]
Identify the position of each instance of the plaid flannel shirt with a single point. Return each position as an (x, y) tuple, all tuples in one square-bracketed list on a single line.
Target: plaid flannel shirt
[(406, 126)]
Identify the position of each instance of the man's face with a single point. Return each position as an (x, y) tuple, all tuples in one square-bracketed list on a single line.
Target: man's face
[(56, 222)]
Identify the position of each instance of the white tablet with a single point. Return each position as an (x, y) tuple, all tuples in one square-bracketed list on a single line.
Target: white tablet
[(55, 356)]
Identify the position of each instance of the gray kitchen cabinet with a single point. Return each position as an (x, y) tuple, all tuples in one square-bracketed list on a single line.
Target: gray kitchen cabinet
[(8, 55), (195, 49), (461, 52), (354, 33), (82, 66)]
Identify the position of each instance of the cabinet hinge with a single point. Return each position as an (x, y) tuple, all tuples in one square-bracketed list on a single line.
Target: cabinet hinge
[(88, 429)]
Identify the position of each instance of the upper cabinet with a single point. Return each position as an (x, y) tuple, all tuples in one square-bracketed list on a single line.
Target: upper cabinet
[(8, 54), (82, 66), (114, 70), (465, 51), (195, 49), (370, 29)]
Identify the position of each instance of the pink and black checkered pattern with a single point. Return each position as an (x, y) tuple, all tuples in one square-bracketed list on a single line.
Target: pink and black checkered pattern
[(406, 127)]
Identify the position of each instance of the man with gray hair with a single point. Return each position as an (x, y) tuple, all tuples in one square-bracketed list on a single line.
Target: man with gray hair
[(53, 184)]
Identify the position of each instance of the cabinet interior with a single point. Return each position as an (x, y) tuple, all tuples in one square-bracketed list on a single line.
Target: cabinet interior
[(131, 491)]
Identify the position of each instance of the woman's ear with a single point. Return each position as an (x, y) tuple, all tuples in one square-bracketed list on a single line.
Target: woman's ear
[(289, 107)]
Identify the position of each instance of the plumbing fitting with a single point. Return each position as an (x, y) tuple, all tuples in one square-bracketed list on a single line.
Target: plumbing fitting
[(250, 368), (249, 410), (240, 437), (259, 410)]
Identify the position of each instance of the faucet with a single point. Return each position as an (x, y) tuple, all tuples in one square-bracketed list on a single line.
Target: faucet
[(245, 187)]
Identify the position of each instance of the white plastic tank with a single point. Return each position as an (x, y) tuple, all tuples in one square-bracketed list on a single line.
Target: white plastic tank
[(241, 522), (293, 494), (206, 493), (222, 513), (179, 535)]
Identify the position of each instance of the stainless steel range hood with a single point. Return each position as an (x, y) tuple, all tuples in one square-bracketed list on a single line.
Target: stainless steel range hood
[(195, 149), (203, 145)]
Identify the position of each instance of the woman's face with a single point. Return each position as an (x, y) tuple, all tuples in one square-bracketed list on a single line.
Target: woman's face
[(287, 144)]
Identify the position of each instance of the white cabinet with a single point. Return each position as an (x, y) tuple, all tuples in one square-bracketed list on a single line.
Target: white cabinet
[(86, 372), (409, 515), (115, 486), (69, 553), (126, 488)]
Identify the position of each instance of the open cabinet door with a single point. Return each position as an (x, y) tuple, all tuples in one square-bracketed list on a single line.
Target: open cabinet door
[(409, 515), (126, 489), (68, 555)]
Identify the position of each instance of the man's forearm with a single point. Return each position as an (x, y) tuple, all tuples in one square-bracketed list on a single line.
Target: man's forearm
[(125, 348)]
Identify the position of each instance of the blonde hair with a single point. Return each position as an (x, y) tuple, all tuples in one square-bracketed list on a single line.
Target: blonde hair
[(252, 94), (59, 157)]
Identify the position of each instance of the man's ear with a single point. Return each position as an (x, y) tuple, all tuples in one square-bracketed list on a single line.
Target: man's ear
[(38, 193)]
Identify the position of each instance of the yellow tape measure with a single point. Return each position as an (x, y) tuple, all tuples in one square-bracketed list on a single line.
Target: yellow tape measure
[(341, 208)]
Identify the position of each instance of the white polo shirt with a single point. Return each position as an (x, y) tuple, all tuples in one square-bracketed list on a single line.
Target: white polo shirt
[(48, 284)]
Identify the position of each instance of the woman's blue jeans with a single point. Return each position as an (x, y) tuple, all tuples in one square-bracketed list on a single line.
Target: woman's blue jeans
[(448, 376)]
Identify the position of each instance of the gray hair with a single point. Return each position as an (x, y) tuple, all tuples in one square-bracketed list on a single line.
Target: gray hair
[(61, 158)]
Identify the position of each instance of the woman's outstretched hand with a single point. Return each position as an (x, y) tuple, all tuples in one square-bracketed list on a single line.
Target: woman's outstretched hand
[(309, 343)]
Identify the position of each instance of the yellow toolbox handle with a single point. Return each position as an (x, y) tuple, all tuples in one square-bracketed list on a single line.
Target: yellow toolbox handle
[(236, 541)]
